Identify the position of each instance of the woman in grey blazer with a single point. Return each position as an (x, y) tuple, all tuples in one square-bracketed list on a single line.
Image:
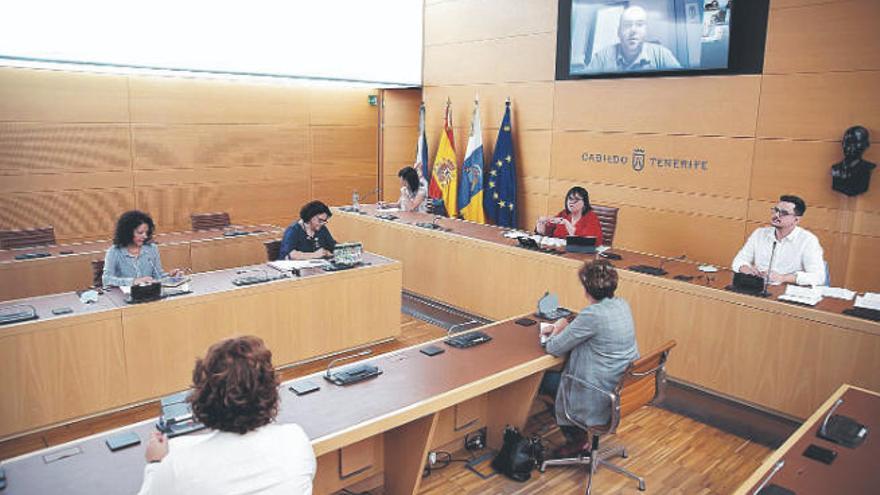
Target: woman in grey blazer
[(601, 343)]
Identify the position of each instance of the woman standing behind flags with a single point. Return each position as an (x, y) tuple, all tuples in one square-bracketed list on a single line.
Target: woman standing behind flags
[(413, 192), (577, 219)]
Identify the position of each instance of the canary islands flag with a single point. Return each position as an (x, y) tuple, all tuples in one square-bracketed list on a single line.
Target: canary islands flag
[(444, 178), (421, 163), (470, 191), (499, 197)]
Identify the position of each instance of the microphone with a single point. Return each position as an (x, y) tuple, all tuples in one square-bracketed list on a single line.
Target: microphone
[(822, 429), (453, 327), (345, 358), (776, 468), (437, 218), (677, 258), (769, 266)]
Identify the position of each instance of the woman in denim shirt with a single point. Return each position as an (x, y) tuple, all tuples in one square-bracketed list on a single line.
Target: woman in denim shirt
[(134, 257)]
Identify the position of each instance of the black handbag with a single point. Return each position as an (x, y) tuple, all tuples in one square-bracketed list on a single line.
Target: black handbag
[(519, 455)]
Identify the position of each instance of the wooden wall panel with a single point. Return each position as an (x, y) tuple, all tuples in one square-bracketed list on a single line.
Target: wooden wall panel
[(804, 168), (198, 101), (211, 146), (709, 106), (271, 201), (401, 107), (471, 20), (337, 191), (52, 148), (531, 104), (344, 151), (813, 106), (31, 95), (840, 36), (76, 215), (862, 271), (518, 59), (709, 165), (399, 147), (703, 238), (335, 106), (820, 217)]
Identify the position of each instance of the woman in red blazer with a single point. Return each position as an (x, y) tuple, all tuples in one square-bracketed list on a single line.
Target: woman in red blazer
[(576, 219)]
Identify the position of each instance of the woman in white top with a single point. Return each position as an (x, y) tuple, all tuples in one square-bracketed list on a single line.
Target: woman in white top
[(413, 191), (235, 393)]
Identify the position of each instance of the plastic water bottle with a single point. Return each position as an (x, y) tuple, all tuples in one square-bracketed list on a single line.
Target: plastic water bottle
[(355, 201)]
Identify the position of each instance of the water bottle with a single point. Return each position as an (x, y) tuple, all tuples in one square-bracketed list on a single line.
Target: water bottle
[(355, 201)]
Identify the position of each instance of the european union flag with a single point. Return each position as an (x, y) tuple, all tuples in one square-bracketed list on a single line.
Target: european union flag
[(499, 185)]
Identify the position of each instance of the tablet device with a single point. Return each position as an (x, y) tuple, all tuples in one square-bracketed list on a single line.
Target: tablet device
[(526, 322), (122, 440), (62, 311), (304, 387), (432, 350)]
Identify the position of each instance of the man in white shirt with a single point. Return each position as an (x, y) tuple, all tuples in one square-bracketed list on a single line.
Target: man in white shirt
[(783, 252)]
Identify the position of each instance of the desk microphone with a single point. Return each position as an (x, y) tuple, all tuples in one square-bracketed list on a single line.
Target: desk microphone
[(823, 429), (677, 258), (345, 358), (776, 468), (769, 266), (453, 327)]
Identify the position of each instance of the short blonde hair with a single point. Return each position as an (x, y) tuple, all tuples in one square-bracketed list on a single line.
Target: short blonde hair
[(599, 279)]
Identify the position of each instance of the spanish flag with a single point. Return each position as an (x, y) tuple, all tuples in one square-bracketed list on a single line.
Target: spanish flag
[(444, 178)]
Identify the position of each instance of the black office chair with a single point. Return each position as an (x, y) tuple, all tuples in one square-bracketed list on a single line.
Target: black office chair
[(272, 249), (642, 383), (22, 238), (209, 221), (97, 273)]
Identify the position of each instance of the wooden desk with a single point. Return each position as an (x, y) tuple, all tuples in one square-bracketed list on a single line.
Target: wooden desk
[(853, 472), (201, 251), (777, 355), (111, 354), (385, 426)]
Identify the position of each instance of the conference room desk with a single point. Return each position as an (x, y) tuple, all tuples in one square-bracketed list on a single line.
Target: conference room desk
[(200, 251), (375, 432), (853, 472), (110, 354), (777, 355)]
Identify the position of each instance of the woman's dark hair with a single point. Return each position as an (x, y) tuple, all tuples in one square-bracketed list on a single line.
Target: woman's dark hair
[(313, 208), (234, 386), (411, 177), (580, 191), (599, 279), (126, 225)]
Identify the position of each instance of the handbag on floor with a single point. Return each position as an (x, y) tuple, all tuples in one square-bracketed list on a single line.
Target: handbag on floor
[(519, 455)]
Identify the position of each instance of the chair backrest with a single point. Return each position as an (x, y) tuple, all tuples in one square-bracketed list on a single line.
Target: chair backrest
[(607, 221), (209, 221), (11, 239), (97, 273), (272, 249), (643, 382)]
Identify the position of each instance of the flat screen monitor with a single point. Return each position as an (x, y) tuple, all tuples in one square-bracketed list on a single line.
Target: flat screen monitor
[(637, 38)]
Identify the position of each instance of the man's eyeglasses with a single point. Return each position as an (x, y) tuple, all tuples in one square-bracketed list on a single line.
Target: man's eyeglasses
[(779, 211)]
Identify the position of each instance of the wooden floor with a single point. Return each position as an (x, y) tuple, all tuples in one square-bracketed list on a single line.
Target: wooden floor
[(675, 454)]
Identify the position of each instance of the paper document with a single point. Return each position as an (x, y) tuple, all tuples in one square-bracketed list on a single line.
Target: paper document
[(126, 289), (870, 300), (838, 293), (802, 295), (288, 265), (514, 234)]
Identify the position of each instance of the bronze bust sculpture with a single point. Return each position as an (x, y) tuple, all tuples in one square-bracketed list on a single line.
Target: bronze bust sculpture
[(852, 175)]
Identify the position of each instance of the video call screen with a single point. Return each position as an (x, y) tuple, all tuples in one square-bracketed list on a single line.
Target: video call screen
[(620, 37)]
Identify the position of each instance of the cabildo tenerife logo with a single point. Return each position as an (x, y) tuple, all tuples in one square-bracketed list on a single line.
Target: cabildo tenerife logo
[(640, 159)]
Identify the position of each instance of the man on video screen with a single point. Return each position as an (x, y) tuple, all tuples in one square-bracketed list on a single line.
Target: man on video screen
[(633, 53)]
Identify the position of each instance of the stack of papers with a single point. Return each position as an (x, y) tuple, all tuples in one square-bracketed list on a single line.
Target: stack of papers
[(802, 295), (289, 265), (871, 300), (838, 293)]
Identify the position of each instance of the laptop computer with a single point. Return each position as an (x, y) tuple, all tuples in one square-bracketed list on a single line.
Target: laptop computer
[(346, 255), (578, 244)]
